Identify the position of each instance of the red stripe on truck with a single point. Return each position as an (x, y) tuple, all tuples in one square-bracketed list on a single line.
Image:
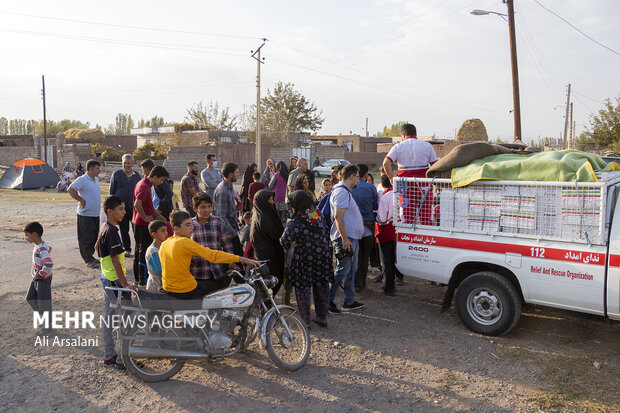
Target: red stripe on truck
[(584, 257), (614, 260)]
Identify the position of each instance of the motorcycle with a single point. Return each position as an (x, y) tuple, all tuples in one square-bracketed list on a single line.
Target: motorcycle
[(158, 334)]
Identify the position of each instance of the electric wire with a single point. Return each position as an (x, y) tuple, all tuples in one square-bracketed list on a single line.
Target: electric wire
[(574, 27), (190, 48), (129, 26)]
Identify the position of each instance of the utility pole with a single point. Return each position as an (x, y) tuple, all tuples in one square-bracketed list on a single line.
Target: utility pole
[(570, 133), (516, 100), (366, 127), (566, 121), (44, 122), (256, 55)]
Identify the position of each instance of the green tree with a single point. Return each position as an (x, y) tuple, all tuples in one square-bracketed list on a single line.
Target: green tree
[(123, 124), (150, 150), (54, 127), (392, 130), (154, 122), (211, 117), (284, 110), (604, 130), (4, 126)]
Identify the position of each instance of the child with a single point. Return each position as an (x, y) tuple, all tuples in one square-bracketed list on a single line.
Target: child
[(326, 188), (211, 232), (175, 197), (311, 264), (39, 294), (159, 232), (255, 186), (113, 274), (245, 233), (176, 254)]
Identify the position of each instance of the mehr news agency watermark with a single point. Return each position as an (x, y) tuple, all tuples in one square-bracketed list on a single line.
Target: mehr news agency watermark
[(61, 320)]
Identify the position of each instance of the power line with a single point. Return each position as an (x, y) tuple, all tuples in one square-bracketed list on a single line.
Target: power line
[(128, 26), (187, 48), (574, 27)]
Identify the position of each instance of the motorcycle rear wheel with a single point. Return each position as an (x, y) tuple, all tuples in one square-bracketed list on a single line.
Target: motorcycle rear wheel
[(287, 352), (151, 370)]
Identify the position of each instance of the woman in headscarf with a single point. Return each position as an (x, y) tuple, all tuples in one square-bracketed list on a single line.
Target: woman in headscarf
[(278, 186), (265, 232), (311, 265), (302, 183), (270, 169), (248, 178)]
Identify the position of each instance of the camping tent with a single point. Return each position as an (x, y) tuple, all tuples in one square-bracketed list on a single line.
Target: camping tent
[(29, 173)]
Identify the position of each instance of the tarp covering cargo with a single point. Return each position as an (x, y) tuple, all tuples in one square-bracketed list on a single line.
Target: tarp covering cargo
[(554, 166), (29, 173)]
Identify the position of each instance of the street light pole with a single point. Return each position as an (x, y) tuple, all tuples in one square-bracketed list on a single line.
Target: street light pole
[(516, 100)]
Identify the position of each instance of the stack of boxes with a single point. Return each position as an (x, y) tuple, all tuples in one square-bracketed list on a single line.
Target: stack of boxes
[(545, 211), (581, 213), (518, 210), (484, 208)]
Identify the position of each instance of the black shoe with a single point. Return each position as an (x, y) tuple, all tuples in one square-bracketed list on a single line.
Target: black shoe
[(389, 293), (93, 264), (333, 309), (353, 306)]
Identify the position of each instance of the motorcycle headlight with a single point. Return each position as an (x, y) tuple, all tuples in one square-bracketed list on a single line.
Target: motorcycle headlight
[(270, 281)]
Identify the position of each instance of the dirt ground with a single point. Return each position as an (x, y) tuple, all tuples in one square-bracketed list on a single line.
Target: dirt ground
[(398, 354)]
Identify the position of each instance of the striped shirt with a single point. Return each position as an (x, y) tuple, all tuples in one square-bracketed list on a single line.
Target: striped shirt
[(42, 261)]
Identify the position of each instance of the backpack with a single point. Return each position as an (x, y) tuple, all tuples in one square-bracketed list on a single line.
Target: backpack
[(325, 208)]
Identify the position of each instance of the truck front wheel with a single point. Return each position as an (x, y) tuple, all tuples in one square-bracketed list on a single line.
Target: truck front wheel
[(488, 303)]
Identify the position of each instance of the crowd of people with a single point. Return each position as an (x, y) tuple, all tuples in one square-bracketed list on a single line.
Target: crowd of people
[(314, 245)]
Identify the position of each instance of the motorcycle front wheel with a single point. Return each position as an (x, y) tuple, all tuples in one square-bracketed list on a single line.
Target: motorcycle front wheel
[(287, 351), (151, 370)]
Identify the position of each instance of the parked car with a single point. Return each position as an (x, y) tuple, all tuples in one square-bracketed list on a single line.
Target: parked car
[(326, 167)]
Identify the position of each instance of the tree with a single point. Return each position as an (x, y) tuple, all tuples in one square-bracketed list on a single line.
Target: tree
[(154, 122), (393, 130), (211, 117), (4, 126), (123, 124), (604, 131), (150, 150), (286, 110)]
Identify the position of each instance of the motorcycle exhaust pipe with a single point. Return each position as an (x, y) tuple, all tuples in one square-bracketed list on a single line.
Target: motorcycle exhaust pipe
[(152, 352)]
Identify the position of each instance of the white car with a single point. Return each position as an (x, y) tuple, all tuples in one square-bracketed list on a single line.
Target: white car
[(326, 167)]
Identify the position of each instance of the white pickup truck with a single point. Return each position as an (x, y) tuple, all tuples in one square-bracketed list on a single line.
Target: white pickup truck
[(498, 244)]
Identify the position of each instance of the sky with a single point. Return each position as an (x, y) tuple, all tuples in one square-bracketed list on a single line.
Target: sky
[(430, 63)]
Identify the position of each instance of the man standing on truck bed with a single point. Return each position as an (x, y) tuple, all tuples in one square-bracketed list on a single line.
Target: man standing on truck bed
[(414, 157)]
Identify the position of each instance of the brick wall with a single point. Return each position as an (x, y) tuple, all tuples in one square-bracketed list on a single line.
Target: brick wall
[(10, 154), (126, 142), (371, 159), (325, 152), (74, 153)]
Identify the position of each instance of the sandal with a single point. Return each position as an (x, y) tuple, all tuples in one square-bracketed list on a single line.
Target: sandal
[(111, 361)]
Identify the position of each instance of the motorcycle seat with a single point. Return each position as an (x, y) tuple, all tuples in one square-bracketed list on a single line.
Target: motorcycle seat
[(160, 301)]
